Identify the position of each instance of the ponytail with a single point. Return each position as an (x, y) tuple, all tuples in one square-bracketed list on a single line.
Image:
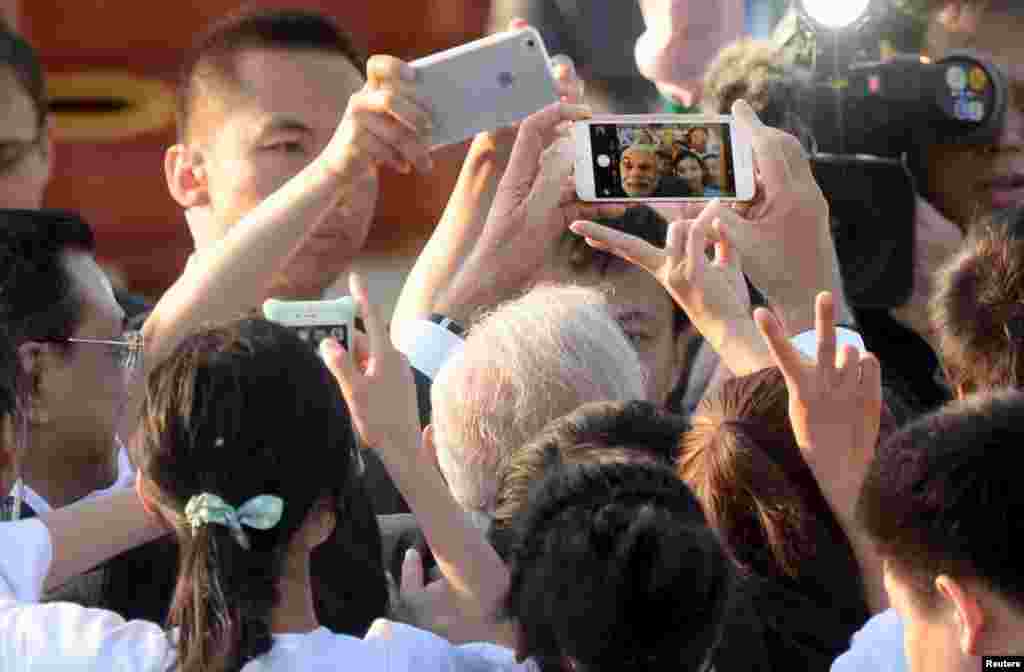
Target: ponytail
[(223, 601)]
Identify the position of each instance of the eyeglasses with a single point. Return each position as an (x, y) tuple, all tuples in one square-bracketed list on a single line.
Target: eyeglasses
[(126, 352)]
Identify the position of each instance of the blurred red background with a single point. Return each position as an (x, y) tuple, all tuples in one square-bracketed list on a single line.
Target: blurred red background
[(118, 185)]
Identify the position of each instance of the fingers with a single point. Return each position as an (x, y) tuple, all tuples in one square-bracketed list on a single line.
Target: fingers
[(339, 364), (676, 239), (412, 572), (624, 245), (871, 383), (544, 123), (786, 356), (570, 86), (771, 156), (379, 341), (518, 24), (696, 244), (726, 255), (389, 71), (402, 144), (824, 325)]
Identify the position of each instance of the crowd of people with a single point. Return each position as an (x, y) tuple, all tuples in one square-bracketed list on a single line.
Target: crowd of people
[(581, 442), (658, 161)]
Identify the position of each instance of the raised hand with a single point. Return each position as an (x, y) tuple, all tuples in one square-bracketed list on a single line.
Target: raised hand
[(386, 123), (835, 406), (784, 236), (713, 292), (376, 382), (534, 204)]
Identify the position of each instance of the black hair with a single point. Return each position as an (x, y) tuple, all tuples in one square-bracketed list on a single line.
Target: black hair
[(943, 497), (18, 55), (614, 569), (596, 432), (216, 420), (212, 59), (38, 300)]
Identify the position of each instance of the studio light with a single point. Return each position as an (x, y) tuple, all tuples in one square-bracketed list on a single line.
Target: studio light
[(835, 14)]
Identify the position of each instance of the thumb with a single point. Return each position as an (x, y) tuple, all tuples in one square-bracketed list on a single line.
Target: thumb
[(338, 363), (412, 572), (742, 233)]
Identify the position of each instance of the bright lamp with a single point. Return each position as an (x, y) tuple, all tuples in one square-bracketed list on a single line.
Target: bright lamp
[(835, 14)]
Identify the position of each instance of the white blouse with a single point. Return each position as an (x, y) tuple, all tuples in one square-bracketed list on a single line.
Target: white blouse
[(68, 637)]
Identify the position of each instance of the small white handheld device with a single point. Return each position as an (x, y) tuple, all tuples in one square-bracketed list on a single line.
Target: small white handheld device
[(313, 321), (485, 85), (663, 158)]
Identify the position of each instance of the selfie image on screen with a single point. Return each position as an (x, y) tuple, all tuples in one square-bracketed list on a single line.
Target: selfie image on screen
[(662, 161)]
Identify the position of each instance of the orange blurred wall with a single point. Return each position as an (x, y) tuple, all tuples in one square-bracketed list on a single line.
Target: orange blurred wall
[(118, 183)]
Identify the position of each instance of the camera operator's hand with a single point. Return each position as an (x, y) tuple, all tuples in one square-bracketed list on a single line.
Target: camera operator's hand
[(936, 240), (784, 236), (712, 292), (386, 123), (535, 202)]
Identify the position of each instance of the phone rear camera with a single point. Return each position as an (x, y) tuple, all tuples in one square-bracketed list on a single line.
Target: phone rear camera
[(531, 43)]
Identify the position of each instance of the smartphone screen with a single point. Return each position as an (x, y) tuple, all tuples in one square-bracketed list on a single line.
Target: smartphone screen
[(313, 334), (662, 160)]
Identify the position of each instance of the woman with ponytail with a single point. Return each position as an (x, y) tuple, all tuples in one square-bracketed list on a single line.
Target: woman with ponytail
[(247, 454)]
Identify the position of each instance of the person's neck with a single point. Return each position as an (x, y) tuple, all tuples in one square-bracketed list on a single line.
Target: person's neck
[(62, 470), (295, 611)]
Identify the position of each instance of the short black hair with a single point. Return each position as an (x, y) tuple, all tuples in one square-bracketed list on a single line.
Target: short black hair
[(38, 301), (944, 496), (18, 55), (596, 432), (213, 55), (615, 569)]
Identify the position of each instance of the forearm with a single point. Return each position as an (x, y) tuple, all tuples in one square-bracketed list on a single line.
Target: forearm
[(91, 532), (474, 571), (231, 278), (739, 345), (456, 232)]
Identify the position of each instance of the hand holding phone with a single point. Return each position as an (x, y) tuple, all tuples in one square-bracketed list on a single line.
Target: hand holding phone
[(313, 321), (387, 122), (663, 158)]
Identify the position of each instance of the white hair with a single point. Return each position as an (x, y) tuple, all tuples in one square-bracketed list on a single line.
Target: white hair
[(526, 363)]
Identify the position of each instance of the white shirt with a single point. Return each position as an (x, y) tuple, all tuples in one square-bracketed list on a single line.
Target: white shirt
[(62, 636), (877, 647)]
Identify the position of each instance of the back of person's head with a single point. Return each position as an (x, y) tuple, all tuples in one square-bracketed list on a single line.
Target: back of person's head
[(21, 59), (978, 307), (615, 569), (38, 300), (530, 360), (209, 70), (943, 497), (215, 422), (598, 432), (743, 462)]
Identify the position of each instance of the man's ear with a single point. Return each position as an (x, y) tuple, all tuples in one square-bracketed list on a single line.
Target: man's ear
[(32, 357), (969, 615), (185, 173)]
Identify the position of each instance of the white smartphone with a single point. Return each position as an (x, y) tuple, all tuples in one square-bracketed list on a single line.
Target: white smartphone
[(669, 158), (485, 85), (313, 321)]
